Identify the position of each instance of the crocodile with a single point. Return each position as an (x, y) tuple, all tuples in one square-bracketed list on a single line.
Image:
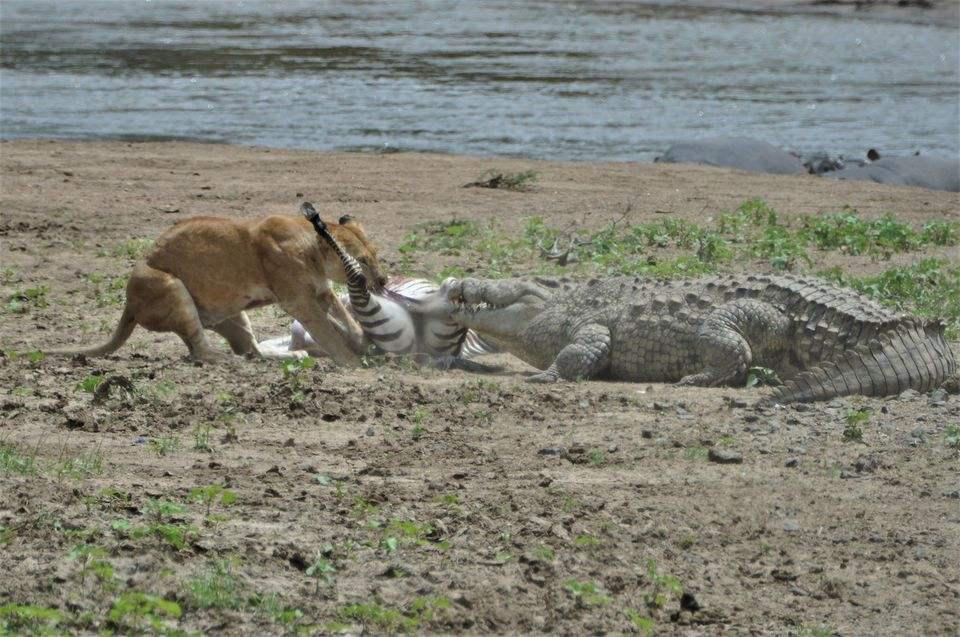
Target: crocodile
[(822, 340)]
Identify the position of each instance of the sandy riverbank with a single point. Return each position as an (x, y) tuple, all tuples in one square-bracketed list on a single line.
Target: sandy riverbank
[(501, 506)]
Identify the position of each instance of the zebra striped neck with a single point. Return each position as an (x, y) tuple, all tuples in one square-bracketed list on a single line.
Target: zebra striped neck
[(357, 286), (356, 280)]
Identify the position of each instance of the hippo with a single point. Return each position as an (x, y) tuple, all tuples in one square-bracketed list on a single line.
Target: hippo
[(735, 152), (933, 173)]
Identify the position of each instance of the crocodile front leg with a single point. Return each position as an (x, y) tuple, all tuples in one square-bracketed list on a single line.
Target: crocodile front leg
[(586, 357)]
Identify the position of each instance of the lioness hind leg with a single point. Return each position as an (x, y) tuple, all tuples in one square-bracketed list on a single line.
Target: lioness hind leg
[(161, 303), (239, 334)]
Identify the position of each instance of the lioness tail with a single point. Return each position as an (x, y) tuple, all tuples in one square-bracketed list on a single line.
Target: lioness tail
[(120, 335)]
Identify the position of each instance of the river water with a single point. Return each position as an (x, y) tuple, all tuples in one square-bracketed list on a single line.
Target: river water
[(558, 80)]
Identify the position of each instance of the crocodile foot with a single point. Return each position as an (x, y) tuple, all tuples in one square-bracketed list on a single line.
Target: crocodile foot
[(548, 376)]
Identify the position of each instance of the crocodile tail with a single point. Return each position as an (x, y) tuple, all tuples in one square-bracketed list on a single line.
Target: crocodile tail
[(912, 355)]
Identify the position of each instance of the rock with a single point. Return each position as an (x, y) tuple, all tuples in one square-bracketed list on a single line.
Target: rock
[(689, 602), (735, 152), (791, 526), (938, 398), (551, 451), (792, 462), (932, 173), (952, 384), (909, 394), (866, 464), (724, 456)]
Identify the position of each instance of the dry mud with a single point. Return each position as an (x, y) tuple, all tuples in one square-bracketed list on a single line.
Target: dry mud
[(478, 504)]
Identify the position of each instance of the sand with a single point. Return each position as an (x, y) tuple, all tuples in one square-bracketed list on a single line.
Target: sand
[(506, 502)]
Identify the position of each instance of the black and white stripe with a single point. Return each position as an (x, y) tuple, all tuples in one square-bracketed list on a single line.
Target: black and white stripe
[(391, 320), (385, 322)]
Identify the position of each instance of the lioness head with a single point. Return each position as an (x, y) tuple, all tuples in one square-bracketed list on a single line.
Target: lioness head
[(349, 233)]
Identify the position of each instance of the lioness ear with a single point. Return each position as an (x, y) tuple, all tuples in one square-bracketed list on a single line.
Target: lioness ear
[(345, 219)]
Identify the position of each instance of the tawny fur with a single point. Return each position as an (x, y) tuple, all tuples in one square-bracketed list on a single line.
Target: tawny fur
[(204, 272)]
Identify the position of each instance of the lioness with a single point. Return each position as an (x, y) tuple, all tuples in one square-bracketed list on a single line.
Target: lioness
[(205, 271)]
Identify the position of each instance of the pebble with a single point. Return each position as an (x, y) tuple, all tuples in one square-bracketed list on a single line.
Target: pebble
[(917, 437), (866, 464), (938, 398), (725, 456), (551, 451), (791, 526), (792, 462), (909, 394)]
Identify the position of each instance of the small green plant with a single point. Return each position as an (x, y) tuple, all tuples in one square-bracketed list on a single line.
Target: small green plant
[(201, 438), (90, 383), (762, 377), (321, 570), (216, 587), (161, 526), (92, 562), (22, 300), (162, 509), (696, 453), (952, 436), (294, 370), (385, 619), (132, 610), (212, 494), (644, 625), (597, 458), (449, 500), (586, 593), (545, 553), (107, 290), (662, 587), (272, 606), (408, 531), (165, 445), (941, 233), (13, 461), (586, 541), (28, 619), (81, 466), (9, 275), (853, 432), (132, 249)]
